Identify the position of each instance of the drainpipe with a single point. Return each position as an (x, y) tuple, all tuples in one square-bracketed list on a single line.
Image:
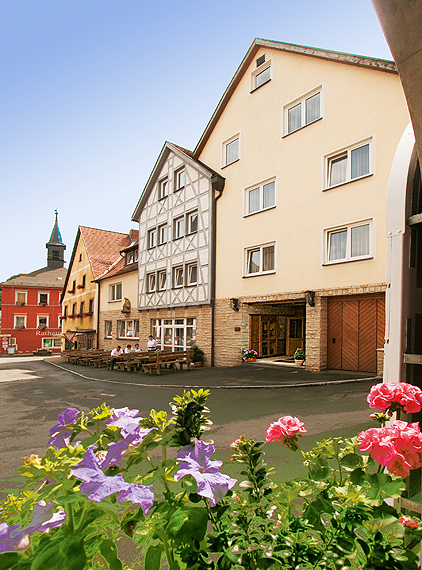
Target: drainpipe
[(217, 185), (97, 326)]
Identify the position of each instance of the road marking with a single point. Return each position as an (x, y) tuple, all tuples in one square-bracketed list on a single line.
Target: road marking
[(17, 374)]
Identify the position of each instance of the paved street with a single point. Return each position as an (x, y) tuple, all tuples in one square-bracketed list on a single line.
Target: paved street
[(243, 400)]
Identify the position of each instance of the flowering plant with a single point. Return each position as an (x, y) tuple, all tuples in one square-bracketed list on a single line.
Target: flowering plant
[(248, 353), (103, 477)]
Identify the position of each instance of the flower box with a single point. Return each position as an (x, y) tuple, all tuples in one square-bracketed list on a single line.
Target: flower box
[(80, 286), (71, 291)]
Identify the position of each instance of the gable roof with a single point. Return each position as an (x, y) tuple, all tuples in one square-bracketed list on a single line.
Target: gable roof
[(183, 154), (45, 277), (102, 247), (339, 57)]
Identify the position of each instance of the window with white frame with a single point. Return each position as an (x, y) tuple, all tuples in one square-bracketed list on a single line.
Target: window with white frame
[(179, 227), (260, 197), (260, 259), (43, 298), (303, 111), (178, 276), (152, 237), (163, 188), (348, 164), (261, 75), (108, 329), (150, 282), (231, 150), (128, 329), (349, 242), (42, 321), (192, 274), (179, 179), (20, 321), (162, 234), (162, 279), (174, 334), (192, 221), (115, 292), (131, 257), (53, 342), (20, 297)]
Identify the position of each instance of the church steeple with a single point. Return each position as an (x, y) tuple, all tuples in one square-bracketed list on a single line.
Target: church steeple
[(55, 247)]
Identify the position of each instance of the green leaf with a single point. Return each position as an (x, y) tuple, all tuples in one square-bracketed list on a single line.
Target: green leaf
[(9, 559), (153, 557), (188, 523), (109, 552), (382, 485), (351, 460), (64, 554), (270, 564)]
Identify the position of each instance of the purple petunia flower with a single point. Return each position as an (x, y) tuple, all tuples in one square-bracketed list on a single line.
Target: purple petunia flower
[(123, 418), (16, 538), (97, 486), (134, 434), (196, 462), (60, 435)]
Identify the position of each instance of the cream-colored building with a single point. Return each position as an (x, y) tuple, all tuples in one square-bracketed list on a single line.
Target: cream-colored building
[(305, 139)]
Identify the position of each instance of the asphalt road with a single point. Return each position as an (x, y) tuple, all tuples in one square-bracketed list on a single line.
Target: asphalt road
[(33, 392)]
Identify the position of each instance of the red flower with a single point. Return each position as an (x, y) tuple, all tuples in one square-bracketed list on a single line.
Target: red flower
[(394, 396), (286, 429)]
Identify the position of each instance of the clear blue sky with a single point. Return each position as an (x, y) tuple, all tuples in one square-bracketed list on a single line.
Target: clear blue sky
[(91, 89)]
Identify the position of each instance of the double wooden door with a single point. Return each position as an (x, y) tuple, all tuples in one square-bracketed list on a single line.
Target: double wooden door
[(356, 328)]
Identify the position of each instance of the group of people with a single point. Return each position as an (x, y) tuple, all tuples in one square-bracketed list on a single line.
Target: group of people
[(119, 351)]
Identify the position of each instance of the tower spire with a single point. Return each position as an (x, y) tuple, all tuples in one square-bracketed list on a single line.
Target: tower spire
[(55, 246)]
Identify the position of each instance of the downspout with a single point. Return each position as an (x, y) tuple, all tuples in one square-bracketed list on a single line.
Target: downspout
[(217, 185), (98, 314)]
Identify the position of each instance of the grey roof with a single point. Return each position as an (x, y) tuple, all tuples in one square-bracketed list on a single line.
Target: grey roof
[(45, 277)]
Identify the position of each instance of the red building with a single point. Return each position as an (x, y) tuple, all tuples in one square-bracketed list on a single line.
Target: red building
[(30, 307)]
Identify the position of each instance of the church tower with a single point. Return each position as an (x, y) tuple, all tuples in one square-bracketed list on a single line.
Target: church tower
[(55, 247)]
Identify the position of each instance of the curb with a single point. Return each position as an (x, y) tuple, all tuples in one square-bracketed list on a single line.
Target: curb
[(237, 387)]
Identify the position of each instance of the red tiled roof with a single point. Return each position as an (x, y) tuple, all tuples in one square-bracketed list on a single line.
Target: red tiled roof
[(103, 248)]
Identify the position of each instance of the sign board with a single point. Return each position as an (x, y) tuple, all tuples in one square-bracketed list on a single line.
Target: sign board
[(5, 338), (69, 336)]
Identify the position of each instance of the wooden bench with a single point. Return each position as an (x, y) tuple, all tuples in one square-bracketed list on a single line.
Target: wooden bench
[(171, 359)]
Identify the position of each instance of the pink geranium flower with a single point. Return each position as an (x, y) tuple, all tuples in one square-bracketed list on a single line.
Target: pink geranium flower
[(394, 396), (405, 521), (286, 429)]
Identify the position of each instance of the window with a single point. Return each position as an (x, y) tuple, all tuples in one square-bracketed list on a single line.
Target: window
[(74, 309), (260, 259), (80, 257), (192, 274), (91, 306), (178, 277), (174, 334), (162, 280), (152, 238), (261, 74), (348, 164), (192, 219), (162, 234), (303, 111), (108, 327), (83, 281), (82, 307), (20, 298), (20, 321), (42, 321), (51, 342), (260, 197), (115, 292), (231, 150), (151, 282), (163, 188), (65, 311), (42, 298), (131, 257), (348, 243), (179, 227), (128, 329), (180, 179), (73, 286)]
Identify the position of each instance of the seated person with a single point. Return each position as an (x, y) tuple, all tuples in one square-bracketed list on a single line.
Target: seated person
[(115, 352), (128, 349), (137, 349)]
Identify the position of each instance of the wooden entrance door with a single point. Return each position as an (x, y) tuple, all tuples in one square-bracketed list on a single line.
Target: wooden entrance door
[(263, 334), (294, 336), (356, 328)]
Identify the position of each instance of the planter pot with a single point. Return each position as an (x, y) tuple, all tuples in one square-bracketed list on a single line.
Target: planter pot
[(299, 362), (250, 359), (198, 364)]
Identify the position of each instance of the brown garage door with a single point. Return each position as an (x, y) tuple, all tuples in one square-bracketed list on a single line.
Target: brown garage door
[(356, 328)]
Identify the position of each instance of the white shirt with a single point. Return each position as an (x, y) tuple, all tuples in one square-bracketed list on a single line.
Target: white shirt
[(127, 350), (137, 350), (152, 344), (116, 352)]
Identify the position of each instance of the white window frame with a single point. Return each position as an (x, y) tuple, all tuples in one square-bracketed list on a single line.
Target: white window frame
[(176, 271), (160, 238), (177, 173), (188, 222), (347, 150), (160, 286), (151, 238), (112, 292), (327, 232), (301, 100), (260, 246), (43, 293), (254, 74), (21, 293), (260, 186), (16, 317), (38, 321), (126, 328), (189, 267), (224, 145), (108, 329), (176, 221), (151, 282), (163, 188), (160, 326), (56, 342)]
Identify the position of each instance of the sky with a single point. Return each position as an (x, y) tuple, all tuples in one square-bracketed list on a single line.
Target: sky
[(91, 89)]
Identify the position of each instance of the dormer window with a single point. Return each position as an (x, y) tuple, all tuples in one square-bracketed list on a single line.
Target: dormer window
[(261, 75)]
